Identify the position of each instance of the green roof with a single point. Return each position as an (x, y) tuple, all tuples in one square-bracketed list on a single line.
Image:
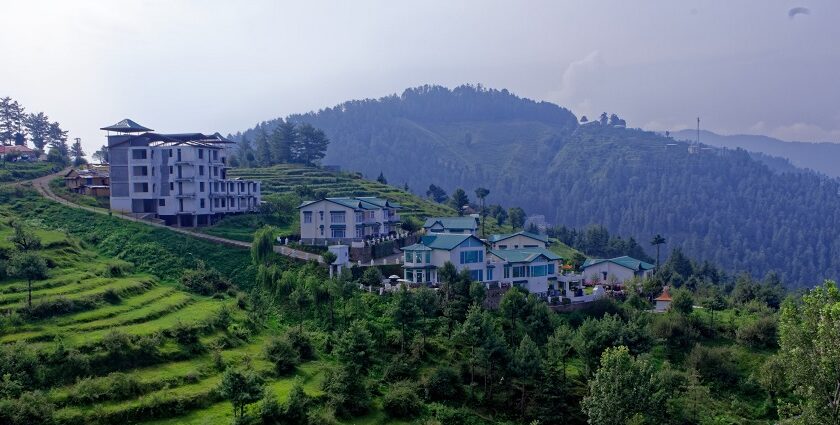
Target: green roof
[(497, 238), (358, 203), (416, 247), (447, 241), (452, 222), (524, 255), (625, 261)]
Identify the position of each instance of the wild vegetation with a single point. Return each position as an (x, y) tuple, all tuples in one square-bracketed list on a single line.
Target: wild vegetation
[(718, 205)]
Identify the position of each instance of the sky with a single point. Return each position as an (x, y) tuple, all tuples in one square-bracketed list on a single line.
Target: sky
[(207, 66)]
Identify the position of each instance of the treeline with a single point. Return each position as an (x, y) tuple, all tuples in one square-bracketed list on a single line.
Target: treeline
[(17, 127), (719, 204), (597, 242), (280, 143)]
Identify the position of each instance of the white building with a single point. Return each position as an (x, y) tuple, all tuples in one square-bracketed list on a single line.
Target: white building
[(462, 225), (534, 269), (663, 301), (615, 270), (344, 220), (518, 240), (178, 178), (423, 259)]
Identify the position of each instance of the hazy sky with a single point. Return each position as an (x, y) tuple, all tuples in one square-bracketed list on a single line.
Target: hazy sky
[(743, 66)]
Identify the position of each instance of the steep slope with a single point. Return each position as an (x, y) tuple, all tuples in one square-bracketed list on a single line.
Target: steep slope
[(821, 157), (720, 205)]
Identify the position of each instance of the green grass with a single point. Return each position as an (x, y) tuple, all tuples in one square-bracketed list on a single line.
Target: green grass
[(562, 249), (17, 171)]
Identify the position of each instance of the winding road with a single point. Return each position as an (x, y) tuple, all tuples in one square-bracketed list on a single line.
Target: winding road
[(42, 185)]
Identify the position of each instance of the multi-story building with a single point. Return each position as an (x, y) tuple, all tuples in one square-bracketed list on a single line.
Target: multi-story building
[(461, 225), (178, 178), (518, 240), (615, 271), (344, 220)]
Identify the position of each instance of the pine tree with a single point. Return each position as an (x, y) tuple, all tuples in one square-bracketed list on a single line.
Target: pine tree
[(245, 151), (101, 155), (283, 137), (311, 145), (38, 128), (58, 140), (263, 150), (11, 120), (381, 178), (77, 153)]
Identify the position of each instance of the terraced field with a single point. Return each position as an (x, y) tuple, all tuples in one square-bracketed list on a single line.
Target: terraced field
[(108, 340)]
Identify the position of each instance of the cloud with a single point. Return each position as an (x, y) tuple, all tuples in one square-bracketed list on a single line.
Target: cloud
[(578, 81), (798, 11), (805, 132)]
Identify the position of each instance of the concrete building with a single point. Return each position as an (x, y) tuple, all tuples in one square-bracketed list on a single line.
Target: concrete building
[(663, 301), (178, 178), (463, 225), (534, 269), (422, 260), (615, 271), (346, 220), (518, 240)]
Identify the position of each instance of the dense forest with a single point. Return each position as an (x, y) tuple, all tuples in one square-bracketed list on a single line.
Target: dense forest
[(127, 324), (719, 205)]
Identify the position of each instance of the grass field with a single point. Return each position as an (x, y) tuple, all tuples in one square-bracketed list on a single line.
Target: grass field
[(17, 171)]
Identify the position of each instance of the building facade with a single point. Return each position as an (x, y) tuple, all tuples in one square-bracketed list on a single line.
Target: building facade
[(518, 240), (345, 220), (614, 271), (467, 225), (178, 178)]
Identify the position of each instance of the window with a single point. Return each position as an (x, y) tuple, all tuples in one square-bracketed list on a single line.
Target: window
[(215, 186), (469, 257), (408, 256), (140, 171), (477, 275), (429, 257), (360, 232), (171, 186), (507, 271), (201, 154), (549, 269), (321, 215), (360, 217), (489, 274), (409, 275), (200, 170), (215, 154), (216, 171), (418, 257), (161, 202), (141, 187), (307, 216), (216, 202), (170, 167), (138, 154), (537, 271), (519, 271), (224, 203), (201, 186), (201, 202), (338, 233), (337, 216), (322, 230), (170, 155)]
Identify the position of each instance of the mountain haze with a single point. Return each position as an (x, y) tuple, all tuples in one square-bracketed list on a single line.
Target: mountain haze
[(719, 204), (821, 157)]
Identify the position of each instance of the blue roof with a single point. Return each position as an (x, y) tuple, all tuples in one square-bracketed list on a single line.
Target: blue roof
[(452, 222), (625, 261), (497, 238), (525, 255), (416, 247), (358, 203), (447, 241)]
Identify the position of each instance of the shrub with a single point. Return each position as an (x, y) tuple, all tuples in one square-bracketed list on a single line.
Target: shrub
[(400, 368), (116, 386), (675, 329), (401, 400), (444, 384), (301, 343), (204, 280), (714, 364), (760, 333), (111, 296), (346, 392), (32, 408), (117, 268), (282, 354), (187, 335), (56, 307)]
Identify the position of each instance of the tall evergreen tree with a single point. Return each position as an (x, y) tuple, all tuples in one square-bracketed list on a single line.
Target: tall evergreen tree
[(101, 155), (381, 178), (263, 149), (77, 153), (283, 137), (38, 127), (11, 120), (57, 139), (459, 200), (311, 145)]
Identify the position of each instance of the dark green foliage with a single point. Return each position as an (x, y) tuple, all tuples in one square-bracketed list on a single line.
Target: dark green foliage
[(280, 352), (597, 242), (115, 386), (682, 302), (300, 342), (241, 387), (204, 280), (32, 408), (262, 249), (372, 276), (759, 333), (24, 239), (715, 365), (459, 200), (29, 266), (444, 384), (675, 330), (437, 194), (354, 348), (401, 400), (346, 391)]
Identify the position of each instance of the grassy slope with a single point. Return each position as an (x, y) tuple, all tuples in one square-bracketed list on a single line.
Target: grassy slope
[(17, 171)]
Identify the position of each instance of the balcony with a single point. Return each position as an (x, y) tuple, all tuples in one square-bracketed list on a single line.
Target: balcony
[(184, 178), (185, 195)]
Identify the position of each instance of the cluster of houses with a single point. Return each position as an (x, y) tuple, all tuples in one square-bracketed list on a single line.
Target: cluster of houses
[(18, 153), (520, 259), (180, 179), (91, 180)]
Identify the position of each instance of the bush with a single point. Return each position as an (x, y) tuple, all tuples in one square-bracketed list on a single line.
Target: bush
[(714, 364), (400, 368), (282, 354), (346, 392), (32, 408), (759, 333), (204, 281), (186, 336), (675, 329), (401, 400), (116, 386), (111, 296), (117, 268), (444, 384), (301, 343)]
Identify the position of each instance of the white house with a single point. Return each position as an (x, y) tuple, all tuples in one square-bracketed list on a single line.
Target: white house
[(422, 260), (344, 220), (178, 178), (461, 225), (663, 301), (534, 269), (615, 270), (518, 240)]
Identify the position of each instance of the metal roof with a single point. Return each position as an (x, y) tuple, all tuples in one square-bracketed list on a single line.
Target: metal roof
[(497, 238), (452, 222), (126, 126), (524, 255), (624, 261)]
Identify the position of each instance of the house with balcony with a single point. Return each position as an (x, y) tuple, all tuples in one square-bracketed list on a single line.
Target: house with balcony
[(423, 260), (614, 271), (533, 269), (461, 225), (180, 178), (346, 220)]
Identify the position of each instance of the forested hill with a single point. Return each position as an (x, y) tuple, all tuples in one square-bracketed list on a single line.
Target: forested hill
[(719, 205)]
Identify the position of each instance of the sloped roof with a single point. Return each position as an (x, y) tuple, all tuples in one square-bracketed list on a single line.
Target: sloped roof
[(359, 203), (188, 139), (524, 255), (382, 203), (447, 241), (126, 126), (497, 238), (625, 261), (15, 148), (416, 247), (665, 296), (452, 222)]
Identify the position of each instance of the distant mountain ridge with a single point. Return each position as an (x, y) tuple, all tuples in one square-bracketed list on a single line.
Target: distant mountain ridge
[(822, 157), (719, 204)]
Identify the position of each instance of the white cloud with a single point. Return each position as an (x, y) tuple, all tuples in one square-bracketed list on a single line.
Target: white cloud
[(805, 132)]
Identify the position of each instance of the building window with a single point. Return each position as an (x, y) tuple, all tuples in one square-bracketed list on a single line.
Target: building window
[(200, 170), (141, 187), (549, 269), (224, 204), (429, 257), (418, 257), (538, 271), (138, 154), (171, 186), (408, 257), (307, 216), (201, 202), (140, 171), (360, 232), (201, 154), (215, 154), (360, 217), (338, 233), (170, 167), (519, 271), (477, 275), (409, 275), (337, 216), (216, 171), (170, 155), (201, 186), (322, 230), (506, 273), (216, 202), (489, 274), (469, 257), (161, 202)]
